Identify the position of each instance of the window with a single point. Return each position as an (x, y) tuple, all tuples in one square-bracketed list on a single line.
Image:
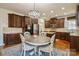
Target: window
[(71, 25)]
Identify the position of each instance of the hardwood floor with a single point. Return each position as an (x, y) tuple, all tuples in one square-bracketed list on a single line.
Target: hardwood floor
[(6, 46), (60, 44)]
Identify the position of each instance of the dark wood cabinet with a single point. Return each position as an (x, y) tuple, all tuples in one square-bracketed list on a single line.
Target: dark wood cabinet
[(16, 20), (27, 20), (11, 20), (47, 24), (11, 39), (34, 21), (74, 43), (63, 36), (60, 23), (73, 40), (55, 23), (23, 22), (71, 18)]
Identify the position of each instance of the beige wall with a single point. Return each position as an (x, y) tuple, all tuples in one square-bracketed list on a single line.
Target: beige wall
[(4, 23)]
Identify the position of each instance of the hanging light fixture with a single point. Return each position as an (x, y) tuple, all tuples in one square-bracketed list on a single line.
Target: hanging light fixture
[(34, 13)]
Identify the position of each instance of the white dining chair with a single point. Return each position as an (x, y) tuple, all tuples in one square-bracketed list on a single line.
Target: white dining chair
[(49, 49), (27, 34), (25, 46), (42, 34)]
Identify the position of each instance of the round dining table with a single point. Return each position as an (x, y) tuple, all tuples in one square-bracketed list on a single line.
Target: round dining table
[(37, 40)]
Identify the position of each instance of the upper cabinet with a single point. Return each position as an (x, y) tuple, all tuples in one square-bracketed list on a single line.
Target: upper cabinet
[(20, 21), (60, 23), (27, 20), (71, 18), (23, 21), (47, 24), (16, 20), (55, 23)]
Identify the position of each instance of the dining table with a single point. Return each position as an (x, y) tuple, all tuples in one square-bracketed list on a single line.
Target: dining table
[(37, 41)]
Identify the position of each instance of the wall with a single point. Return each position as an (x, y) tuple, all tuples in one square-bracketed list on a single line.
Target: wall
[(4, 22)]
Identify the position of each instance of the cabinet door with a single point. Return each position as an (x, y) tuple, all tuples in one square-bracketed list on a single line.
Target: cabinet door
[(63, 36), (34, 21), (23, 22), (28, 20), (60, 23), (47, 24), (18, 21), (77, 43), (10, 20), (14, 20), (74, 43), (11, 39)]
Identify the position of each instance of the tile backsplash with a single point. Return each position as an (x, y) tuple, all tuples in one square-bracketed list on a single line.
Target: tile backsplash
[(12, 30)]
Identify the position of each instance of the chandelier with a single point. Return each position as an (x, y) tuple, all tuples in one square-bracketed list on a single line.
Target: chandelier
[(34, 13)]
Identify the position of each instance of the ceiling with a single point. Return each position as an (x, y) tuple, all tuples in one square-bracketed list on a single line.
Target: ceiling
[(43, 8)]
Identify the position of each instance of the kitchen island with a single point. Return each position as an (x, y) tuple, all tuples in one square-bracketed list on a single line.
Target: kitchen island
[(50, 30), (73, 37)]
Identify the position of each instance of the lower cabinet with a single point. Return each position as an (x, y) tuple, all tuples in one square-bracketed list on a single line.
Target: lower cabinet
[(74, 40), (74, 44), (63, 36), (11, 39)]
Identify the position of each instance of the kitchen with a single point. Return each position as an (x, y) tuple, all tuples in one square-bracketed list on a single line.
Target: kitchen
[(11, 28)]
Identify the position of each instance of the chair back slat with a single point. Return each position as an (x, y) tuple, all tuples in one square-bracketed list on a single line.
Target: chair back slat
[(52, 42), (26, 34)]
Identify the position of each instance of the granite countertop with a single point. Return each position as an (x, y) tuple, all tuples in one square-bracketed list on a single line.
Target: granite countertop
[(74, 34), (50, 30)]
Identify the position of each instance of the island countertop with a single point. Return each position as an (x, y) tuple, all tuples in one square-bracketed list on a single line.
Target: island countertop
[(50, 30)]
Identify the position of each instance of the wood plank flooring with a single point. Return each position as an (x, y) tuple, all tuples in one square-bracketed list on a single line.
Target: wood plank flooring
[(60, 44)]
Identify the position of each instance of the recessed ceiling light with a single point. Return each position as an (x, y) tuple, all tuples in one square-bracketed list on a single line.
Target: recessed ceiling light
[(51, 11), (62, 8), (65, 13), (44, 14)]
